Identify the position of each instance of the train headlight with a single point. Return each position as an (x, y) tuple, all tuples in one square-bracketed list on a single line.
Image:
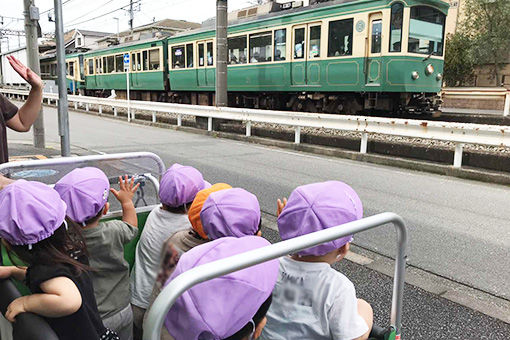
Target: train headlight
[(415, 75), (439, 77), (429, 69)]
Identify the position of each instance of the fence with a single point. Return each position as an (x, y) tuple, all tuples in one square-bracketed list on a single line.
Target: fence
[(458, 133)]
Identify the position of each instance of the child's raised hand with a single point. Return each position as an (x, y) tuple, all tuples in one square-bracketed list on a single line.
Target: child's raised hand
[(126, 190), (16, 307), (280, 205)]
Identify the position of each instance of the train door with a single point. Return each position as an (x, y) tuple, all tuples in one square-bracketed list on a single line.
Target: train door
[(313, 67), (373, 53), (210, 75), (298, 68), (201, 71)]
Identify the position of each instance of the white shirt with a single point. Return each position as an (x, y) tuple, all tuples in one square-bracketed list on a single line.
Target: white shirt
[(313, 301), (160, 225)]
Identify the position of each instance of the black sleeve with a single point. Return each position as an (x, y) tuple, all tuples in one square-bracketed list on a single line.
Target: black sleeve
[(38, 274), (7, 109)]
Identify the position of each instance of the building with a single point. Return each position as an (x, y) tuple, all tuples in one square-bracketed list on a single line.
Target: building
[(166, 27)]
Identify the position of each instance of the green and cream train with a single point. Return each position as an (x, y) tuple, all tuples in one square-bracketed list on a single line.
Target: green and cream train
[(338, 56)]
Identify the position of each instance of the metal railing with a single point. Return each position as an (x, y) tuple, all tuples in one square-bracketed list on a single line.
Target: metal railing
[(458, 133), (493, 93), (157, 313)]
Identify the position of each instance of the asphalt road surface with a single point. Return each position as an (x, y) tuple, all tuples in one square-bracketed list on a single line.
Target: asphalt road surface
[(459, 229)]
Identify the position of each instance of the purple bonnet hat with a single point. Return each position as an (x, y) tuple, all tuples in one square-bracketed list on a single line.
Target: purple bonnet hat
[(234, 212), (31, 212), (219, 308), (85, 191), (319, 206), (179, 185)]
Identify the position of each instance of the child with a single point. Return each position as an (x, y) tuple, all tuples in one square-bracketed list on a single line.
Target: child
[(232, 212), (85, 191), (230, 307), (312, 300), (33, 226), (178, 187)]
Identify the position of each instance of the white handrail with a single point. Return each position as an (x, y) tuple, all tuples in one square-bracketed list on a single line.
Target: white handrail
[(458, 133), (479, 93), (157, 313)]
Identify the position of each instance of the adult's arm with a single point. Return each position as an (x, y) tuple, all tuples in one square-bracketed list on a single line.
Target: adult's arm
[(4, 181), (28, 113)]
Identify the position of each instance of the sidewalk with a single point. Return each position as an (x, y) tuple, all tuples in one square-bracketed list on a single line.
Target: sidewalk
[(26, 151)]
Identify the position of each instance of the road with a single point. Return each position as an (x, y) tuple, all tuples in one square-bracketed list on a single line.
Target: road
[(459, 229)]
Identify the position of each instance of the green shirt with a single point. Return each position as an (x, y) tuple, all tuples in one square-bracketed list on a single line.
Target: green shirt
[(105, 244)]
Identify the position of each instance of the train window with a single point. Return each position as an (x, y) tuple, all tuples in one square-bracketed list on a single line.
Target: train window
[(145, 60), (280, 44), (53, 69), (201, 55), (376, 36), (178, 57), (210, 54), (261, 47), (104, 65), (133, 61), (154, 59), (340, 38), (237, 50), (189, 55), (98, 65), (90, 70), (110, 64), (426, 31), (315, 42), (397, 16), (119, 63), (299, 43)]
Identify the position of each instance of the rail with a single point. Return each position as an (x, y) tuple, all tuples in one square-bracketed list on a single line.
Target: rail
[(458, 133), (157, 313), (479, 93)]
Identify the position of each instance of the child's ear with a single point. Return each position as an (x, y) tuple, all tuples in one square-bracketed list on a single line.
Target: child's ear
[(106, 208), (259, 328), (345, 249)]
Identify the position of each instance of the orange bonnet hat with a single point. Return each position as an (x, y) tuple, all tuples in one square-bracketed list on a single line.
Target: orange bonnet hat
[(198, 203)]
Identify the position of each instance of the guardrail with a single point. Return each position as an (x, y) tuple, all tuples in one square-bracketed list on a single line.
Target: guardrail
[(479, 93), (157, 313), (457, 133)]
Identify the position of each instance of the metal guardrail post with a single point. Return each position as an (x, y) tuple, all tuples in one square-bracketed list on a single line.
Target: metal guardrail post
[(115, 112), (506, 110), (87, 107), (154, 117), (100, 109), (457, 157), (248, 129), (179, 120), (297, 135), (157, 313), (364, 143), (209, 124), (76, 105)]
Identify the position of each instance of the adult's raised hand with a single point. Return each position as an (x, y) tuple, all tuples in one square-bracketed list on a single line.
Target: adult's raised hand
[(26, 73)]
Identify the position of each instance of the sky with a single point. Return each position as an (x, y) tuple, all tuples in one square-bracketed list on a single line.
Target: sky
[(99, 15)]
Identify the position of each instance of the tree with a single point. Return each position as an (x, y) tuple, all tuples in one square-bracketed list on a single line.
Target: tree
[(458, 60), (485, 24)]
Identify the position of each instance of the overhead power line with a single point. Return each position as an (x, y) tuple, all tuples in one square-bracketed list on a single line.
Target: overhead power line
[(104, 14), (51, 9)]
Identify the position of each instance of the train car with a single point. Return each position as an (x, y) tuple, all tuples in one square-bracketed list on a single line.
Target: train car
[(337, 57), (104, 70), (75, 79)]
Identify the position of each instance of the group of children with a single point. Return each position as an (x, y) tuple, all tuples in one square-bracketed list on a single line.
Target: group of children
[(81, 284)]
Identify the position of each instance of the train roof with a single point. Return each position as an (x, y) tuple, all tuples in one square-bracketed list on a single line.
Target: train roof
[(318, 7), (120, 47)]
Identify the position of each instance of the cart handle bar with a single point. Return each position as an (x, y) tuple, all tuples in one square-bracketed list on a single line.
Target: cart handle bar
[(190, 278)]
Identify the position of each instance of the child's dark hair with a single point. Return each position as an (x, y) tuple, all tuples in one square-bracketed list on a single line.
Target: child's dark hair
[(95, 218), (257, 318), (182, 209), (65, 246)]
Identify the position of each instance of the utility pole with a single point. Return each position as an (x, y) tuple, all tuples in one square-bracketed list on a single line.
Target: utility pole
[(63, 105), (221, 53), (131, 16), (31, 19)]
